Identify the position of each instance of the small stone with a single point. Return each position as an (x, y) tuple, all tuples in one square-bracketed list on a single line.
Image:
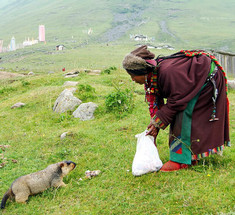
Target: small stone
[(31, 73), (62, 136), (66, 134), (231, 84), (92, 72), (18, 105), (71, 74)]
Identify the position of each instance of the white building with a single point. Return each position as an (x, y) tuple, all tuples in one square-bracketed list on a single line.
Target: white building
[(30, 42), (13, 44)]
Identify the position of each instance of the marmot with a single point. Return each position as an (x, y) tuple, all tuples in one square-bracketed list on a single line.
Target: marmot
[(37, 182)]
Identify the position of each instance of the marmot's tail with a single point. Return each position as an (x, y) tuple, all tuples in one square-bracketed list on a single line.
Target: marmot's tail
[(5, 197)]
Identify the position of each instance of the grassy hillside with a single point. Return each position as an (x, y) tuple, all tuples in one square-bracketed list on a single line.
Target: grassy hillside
[(106, 143), (193, 24), (182, 23), (63, 20)]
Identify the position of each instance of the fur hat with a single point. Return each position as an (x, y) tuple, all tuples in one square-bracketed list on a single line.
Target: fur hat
[(138, 62)]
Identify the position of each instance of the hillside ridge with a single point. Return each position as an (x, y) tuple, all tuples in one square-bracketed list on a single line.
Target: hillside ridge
[(182, 23)]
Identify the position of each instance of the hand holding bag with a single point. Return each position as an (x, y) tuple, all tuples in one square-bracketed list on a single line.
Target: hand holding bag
[(146, 157)]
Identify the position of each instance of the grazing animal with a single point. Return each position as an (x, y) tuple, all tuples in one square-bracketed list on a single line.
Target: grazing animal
[(37, 182)]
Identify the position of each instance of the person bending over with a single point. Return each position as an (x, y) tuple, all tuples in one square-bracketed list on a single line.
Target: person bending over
[(196, 108)]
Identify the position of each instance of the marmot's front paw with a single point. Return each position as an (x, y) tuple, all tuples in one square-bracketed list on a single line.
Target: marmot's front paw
[(62, 184)]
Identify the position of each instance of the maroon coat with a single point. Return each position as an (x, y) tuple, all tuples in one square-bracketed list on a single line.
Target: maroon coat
[(179, 81)]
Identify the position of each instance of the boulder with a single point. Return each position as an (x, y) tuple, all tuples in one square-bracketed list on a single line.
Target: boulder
[(231, 84), (66, 101), (72, 89), (70, 83), (85, 111), (93, 72)]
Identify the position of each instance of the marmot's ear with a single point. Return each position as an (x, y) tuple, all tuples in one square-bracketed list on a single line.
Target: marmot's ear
[(61, 165)]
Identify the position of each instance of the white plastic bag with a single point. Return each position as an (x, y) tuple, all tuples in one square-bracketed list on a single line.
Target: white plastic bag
[(146, 157)]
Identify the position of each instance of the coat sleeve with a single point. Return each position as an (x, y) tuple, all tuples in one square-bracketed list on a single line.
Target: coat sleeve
[(180, 79)]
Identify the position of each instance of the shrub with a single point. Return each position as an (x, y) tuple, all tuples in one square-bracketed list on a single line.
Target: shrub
[(109, 70), (7, 90), (120, 101), (86, 91), (25, 83)]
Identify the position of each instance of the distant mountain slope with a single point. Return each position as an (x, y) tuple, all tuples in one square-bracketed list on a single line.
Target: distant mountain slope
[(182, 23)]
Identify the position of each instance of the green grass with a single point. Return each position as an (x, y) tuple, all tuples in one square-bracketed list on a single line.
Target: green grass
[(43, 58), (106, 143)]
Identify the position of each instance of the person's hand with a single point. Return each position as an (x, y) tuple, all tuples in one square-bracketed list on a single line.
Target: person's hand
[(152, 130)]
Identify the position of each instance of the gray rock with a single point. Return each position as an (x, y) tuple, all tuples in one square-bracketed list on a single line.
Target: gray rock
[(66, 134), (93, 72), (70, 83), (71, 76), (72, 89), (66, 101), (85, 111), (18, 105), (30, 73), (231, 84), (51, 72)]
